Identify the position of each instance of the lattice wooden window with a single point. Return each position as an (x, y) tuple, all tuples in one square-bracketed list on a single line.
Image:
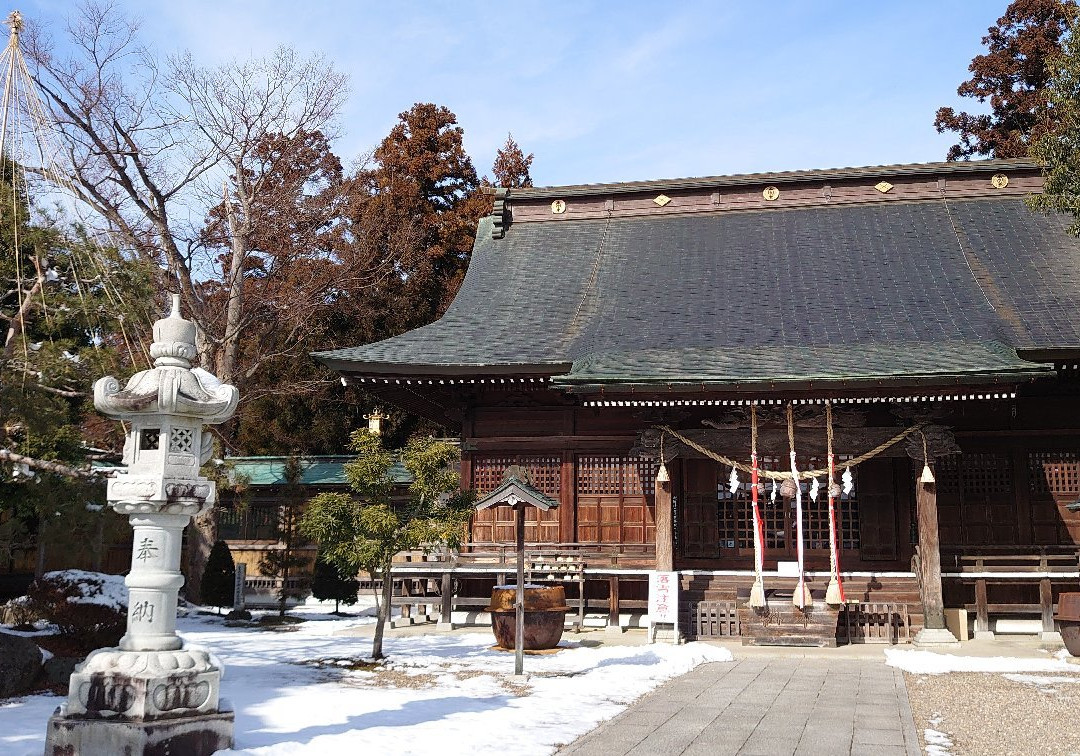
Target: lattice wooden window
[(1055, 472), (1054, 477), (735, 518), (615, 499), (986, 474), (976, 499), (496, 524)]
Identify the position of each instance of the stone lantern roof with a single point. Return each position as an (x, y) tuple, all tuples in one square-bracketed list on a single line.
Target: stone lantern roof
[(171, 387)]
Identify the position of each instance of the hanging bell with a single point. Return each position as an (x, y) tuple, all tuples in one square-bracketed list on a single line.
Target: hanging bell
[(662, 474), (834, 490), (789, 488), (927, 476), (760, 488)]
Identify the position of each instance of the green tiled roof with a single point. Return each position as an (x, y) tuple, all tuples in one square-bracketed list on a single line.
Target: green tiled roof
[(316, 470), (754, 367)]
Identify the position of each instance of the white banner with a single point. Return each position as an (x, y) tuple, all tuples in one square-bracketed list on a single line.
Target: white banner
[(663, 597)]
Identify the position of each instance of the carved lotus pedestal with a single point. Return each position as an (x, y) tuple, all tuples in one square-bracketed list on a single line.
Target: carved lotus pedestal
[(145, 701)]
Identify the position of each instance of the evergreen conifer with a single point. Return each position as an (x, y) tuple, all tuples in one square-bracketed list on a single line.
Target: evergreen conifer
[(329, 583), (219, 577)]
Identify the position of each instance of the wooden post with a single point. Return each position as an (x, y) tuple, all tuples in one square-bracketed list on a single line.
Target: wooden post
[(930, 556), (982, 615), (1046, 603), (446, 610), (665, 541), (519, 629), (613, 601)]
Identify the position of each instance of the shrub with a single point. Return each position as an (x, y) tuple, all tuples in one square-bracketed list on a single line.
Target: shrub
[(89, 609), (219, 577), (328, 583)]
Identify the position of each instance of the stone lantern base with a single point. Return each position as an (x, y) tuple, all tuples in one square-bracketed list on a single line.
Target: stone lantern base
[(142, 702), (200, 735)]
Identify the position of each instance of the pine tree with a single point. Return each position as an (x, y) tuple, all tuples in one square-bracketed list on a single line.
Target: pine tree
[(1013, 75), (62, 309), (363, 532), (219, 577), (329, 583)]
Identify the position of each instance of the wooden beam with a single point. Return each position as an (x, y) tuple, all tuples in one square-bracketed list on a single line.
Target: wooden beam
[(929, 556), (665, 541)]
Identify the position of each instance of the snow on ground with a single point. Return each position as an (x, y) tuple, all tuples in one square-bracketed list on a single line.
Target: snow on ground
[(937, 743), (931, 663), (303, 691)]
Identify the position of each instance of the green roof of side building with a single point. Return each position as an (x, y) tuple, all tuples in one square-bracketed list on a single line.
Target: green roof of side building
[(933, 273), (315, 470)]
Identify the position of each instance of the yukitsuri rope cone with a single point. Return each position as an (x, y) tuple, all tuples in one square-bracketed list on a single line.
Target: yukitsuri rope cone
[(801, 597), (757, 592), (834, 594)]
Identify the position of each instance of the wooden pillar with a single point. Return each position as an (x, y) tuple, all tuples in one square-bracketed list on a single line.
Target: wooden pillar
[(930, 556), (446, 609), (1046, 604), (519, 604), (613, 601), (665, 540), (567, 495)]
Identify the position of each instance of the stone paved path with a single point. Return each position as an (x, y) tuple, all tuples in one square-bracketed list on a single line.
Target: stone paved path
[(766, 706)]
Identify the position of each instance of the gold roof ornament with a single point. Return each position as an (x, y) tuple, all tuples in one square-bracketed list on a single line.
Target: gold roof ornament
[(770, 193), (558, 207), (883, 186), (999, 181), (662, 200), (374, 421)]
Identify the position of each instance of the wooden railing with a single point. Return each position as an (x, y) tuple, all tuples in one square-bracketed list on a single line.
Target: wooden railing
[(505, 554), (1033, 566)]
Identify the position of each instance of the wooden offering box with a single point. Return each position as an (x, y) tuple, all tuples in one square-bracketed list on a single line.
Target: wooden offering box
[(781, 623)]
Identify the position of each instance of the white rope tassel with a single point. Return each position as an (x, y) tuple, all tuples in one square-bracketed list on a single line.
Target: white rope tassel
[(802, 594)]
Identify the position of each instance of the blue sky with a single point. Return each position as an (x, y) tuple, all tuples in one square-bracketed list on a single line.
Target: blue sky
[(620, 90)]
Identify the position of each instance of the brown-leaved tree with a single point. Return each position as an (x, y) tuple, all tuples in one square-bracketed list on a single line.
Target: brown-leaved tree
[(1012, 76)]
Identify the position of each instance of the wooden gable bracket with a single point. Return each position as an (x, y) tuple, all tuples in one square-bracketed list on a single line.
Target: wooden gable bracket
[(500, 214)]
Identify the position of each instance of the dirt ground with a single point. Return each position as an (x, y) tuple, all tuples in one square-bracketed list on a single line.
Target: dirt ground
[(997, 714)]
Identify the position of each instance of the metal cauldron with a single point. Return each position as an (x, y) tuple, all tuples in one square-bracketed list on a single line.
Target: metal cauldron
[(1068, 617), (545, 610)]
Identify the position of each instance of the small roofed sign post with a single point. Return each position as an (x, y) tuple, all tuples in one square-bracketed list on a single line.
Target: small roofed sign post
[(517, 491)]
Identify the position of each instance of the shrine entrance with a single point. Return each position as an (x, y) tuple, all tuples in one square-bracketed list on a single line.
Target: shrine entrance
[(714, 523)]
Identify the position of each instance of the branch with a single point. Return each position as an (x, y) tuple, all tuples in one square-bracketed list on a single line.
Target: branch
[(53, 467)]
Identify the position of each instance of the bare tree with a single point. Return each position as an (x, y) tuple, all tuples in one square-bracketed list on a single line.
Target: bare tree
[(153, 148)]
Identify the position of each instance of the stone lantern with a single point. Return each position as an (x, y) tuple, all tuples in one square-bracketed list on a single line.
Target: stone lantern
[(151, 692)]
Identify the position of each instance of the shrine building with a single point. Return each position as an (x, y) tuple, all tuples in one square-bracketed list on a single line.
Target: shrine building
[(632, 344)]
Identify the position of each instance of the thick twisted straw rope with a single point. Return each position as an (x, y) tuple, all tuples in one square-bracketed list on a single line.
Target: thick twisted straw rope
[(776, 475)]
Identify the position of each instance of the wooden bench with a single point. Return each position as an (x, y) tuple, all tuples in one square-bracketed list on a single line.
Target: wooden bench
[(1041, 567)]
